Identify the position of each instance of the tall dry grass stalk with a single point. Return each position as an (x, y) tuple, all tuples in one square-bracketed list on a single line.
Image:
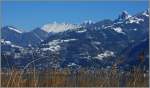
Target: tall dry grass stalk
[(82, 78)]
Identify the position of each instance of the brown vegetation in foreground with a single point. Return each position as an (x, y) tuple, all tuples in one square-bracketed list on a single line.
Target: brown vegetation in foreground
[(81, 78)]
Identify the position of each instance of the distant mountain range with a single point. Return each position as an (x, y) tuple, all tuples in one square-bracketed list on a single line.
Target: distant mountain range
[(90, 44)]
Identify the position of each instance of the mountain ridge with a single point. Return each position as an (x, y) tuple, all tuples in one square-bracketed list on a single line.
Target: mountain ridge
[(97, 45)]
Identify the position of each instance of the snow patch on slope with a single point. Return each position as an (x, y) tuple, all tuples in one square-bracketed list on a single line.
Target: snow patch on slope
[(135, 29), (71, 64), (68, 40), (81, 31), (119, 30), (54, 45), (8, 42), (18, 31), (105, 55), (134, 20)]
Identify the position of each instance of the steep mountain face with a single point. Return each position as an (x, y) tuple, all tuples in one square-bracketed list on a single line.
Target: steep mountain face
[(40, 33), (136, 54), (33, 37), (123, 16), (99, 44)]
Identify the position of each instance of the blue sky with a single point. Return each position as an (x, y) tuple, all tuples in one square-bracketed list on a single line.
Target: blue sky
[(32, 14)]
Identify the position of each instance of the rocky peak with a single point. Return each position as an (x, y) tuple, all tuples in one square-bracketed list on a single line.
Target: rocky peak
[(124, 15)]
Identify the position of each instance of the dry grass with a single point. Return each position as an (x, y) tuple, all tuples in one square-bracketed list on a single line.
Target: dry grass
[(81, 78)]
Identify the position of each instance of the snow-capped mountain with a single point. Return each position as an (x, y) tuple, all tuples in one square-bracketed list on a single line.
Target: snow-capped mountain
[(59, 27), (35, 36), (20, 38), (11, 33), (99, 44)]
